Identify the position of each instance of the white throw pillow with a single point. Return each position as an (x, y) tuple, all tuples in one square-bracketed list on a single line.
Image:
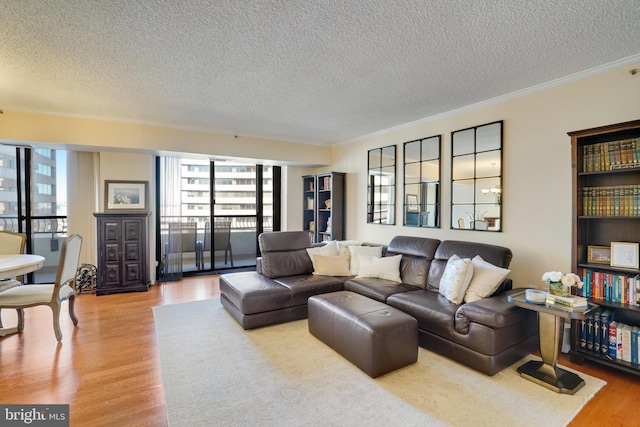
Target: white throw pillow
[(375, 251), (330, 249), (387, 267), (343, 246), (486, 279), (332, 265), (456, 278)]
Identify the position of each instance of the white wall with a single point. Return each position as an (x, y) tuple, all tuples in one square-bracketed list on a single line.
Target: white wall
[(536, 172), (536, 192), (134, 167)]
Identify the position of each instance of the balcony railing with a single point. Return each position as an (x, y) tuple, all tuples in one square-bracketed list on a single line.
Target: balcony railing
[(202, 247)]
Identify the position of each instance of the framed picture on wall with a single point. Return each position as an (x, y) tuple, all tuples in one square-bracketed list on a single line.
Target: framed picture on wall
[(125, 195), (412, 202)]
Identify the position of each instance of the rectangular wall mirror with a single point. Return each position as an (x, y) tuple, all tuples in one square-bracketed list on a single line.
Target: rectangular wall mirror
[(476, 178), (422, 182), (381, 187)]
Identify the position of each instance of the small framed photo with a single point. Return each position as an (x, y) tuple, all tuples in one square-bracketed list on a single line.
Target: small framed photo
[(599, 255), (412, 203), (125, 195), (624, 254)]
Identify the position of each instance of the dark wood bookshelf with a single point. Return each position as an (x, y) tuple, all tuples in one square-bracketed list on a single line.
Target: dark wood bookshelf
[(324, 222), (588, 147)]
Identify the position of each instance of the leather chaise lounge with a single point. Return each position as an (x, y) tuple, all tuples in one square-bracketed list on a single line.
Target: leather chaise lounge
[(278, 290), (488, 334)]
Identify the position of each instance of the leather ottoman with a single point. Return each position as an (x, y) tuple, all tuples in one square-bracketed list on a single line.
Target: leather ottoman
[(373, 336)]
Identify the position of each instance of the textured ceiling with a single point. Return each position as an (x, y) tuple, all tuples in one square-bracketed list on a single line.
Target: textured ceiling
[(312, 71)]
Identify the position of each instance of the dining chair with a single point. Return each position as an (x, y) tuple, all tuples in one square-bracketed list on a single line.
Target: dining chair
[(10, 244), (221, 239), (21, 297), (182, 239)]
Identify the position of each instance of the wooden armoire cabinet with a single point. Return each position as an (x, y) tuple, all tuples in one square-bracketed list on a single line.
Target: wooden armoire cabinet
[(123, 264)]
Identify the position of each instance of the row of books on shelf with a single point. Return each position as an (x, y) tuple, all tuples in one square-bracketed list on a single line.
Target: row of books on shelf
[(620, 288), (601, 335), (615, 200), (611, 155)]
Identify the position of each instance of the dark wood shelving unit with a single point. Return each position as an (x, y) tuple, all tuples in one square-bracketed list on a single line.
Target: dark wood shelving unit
[(606, 226), (323, 206)]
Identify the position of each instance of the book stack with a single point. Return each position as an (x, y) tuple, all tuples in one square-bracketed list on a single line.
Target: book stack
[(570, 303)]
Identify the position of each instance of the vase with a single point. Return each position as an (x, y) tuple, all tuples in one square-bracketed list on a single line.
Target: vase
[(559, 289)]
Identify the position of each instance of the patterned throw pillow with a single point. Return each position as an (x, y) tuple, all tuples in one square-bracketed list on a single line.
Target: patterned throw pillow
[(456, 278)]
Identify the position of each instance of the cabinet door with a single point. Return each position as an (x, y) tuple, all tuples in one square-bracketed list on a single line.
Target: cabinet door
[(132, 257), (112, 271)]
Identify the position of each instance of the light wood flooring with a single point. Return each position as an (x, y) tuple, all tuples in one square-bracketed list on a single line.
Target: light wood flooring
[(108, 369)]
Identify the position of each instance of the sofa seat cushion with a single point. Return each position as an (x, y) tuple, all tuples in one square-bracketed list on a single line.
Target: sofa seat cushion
[(434, 312), (251, 292), (377, 289), (301, 287), (506, 328)]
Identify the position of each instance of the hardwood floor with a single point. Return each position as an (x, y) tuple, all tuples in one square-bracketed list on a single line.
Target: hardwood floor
[(108, 369)]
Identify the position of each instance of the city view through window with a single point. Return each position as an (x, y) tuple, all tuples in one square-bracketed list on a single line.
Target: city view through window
[(220, 208), (210, 220), (42, 211)]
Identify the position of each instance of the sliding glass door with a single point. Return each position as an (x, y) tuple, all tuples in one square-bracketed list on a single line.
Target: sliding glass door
[(210, 214), (33, 201)]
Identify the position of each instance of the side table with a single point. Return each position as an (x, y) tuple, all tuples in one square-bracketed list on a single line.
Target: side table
[(550, 331)]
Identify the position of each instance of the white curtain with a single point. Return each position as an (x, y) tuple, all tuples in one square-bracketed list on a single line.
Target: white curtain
[(170, 216), (82, 195)]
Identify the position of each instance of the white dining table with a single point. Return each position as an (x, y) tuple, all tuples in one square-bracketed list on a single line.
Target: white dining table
[(19, 264), (12, 266)]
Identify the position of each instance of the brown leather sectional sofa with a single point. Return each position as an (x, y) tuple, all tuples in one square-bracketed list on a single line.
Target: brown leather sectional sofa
[(487, 335)]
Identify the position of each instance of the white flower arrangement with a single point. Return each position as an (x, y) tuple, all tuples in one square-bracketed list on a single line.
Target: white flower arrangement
[(557, 278)]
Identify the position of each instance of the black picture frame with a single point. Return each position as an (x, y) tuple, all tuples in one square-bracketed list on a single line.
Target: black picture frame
[(124, 195)]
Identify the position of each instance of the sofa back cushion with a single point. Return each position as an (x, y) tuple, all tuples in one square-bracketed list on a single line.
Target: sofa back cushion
[(417, 253), (284, 253), (496, 255)]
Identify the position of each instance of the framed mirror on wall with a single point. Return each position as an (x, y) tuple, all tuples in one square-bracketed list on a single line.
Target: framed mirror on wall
[(422, 182), (381, 185), (476, 178)]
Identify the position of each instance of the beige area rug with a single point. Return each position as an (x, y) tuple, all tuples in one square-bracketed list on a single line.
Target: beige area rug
[(215, 373)]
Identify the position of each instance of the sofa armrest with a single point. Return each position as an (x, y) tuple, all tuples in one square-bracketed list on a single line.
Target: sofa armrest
[(493, 312)]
